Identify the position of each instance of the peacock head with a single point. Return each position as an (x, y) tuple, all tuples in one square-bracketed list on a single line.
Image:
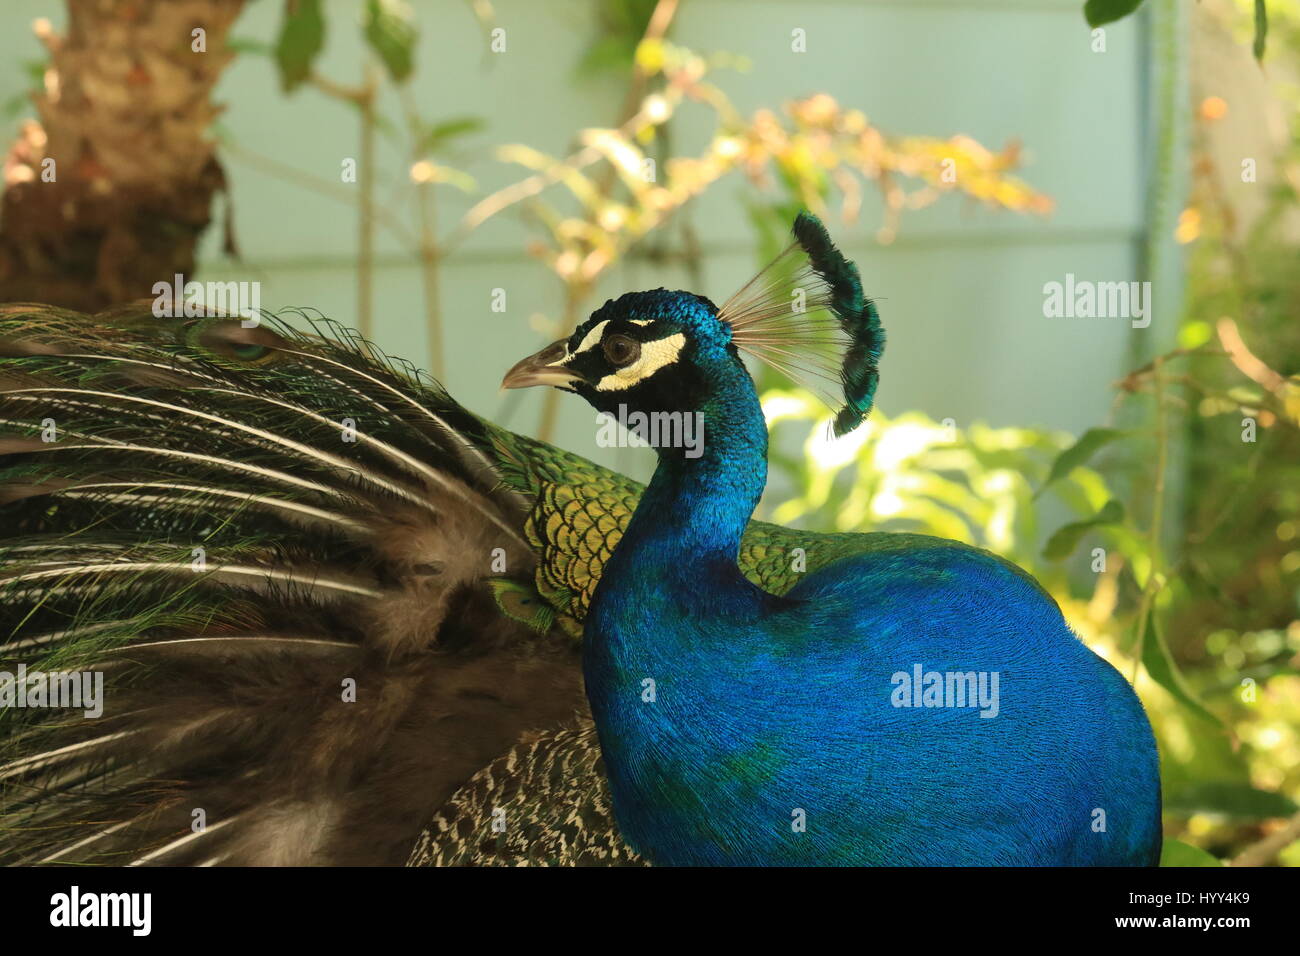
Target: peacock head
[(804, 314), (645, 351)]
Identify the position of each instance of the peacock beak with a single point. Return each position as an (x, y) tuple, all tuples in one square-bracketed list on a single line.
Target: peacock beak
[(542, 368)]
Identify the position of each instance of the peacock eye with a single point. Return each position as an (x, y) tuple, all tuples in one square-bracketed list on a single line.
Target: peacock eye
[(621, 351)]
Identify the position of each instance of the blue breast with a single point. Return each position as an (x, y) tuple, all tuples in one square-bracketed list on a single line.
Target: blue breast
[(796, 731)]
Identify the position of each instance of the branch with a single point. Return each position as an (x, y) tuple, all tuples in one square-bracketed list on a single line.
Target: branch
[(1263, 852)]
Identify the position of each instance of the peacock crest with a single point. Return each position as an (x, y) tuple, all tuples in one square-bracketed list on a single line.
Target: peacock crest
[(805, 315)]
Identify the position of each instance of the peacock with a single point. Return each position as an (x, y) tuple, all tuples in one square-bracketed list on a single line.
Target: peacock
[(340, 619)]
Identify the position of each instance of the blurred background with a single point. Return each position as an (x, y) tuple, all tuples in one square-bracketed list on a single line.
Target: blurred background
[(465, 180)]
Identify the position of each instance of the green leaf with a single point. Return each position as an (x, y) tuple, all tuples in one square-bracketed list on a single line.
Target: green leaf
[(438, 135), (1089, 443), (390, 31), (1067, 537), (1178, 853), (1240, 801), (1261, 29), (302, 37), (1098, 12), (1164, 671)]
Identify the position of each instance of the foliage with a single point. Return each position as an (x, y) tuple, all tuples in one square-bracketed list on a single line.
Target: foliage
[(910, 472), (1235, 619), (812, 145)]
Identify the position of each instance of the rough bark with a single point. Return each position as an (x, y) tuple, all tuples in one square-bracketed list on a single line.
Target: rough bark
[(124, 115)]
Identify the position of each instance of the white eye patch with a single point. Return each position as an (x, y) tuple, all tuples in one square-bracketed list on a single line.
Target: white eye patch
[(654, 356), (592, 338)]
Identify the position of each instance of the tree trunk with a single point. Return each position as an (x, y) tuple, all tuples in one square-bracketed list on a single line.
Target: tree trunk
[(110, 191)]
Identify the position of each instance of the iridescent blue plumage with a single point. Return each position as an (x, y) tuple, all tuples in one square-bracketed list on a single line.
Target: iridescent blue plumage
[(742, 727)]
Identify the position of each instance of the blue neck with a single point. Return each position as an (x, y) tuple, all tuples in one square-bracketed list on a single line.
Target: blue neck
[(671, 597), (694, 510)]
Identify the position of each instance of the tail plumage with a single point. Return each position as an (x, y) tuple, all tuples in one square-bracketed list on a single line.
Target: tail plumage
[(274, 544)]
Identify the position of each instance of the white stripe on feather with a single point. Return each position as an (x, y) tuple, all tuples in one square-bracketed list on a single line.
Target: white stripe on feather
[(436, 419), (270, 473), (217, 385), (306, 451), (87, 841), (257, 640), (53, 636), (275, 574), (390, 451), (322, 514), (177, 844), (438, 478), (37, 761)]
